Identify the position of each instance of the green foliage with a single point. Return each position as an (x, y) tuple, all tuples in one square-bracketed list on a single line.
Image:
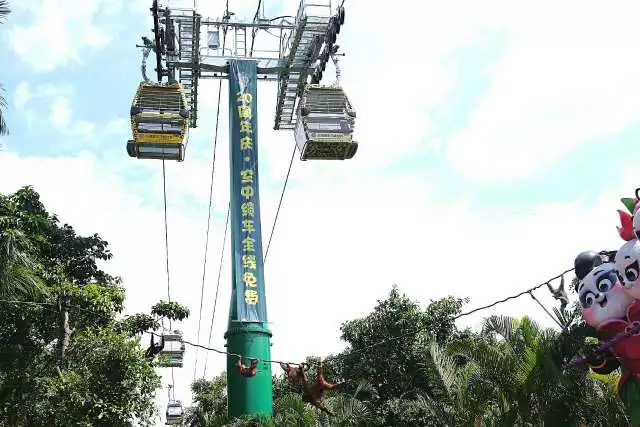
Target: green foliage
[(170, 310), (510, 373), (137, 324), (99, 359), (388, 365), (64, 360)]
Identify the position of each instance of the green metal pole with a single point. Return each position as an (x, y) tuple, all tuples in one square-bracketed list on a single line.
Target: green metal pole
[(247, 333)]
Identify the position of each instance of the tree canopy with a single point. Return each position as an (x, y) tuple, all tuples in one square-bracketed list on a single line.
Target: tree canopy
[(65, 357), (69, 357), (410, 366)]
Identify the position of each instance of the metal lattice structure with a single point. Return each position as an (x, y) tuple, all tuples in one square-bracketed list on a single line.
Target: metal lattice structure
[(189, 47)]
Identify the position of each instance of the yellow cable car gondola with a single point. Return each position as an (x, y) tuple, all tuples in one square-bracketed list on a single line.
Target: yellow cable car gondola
[(159, 120)]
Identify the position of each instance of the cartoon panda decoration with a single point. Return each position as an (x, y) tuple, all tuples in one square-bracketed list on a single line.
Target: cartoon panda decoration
[(609, 294), (602, 296), (627, 263)]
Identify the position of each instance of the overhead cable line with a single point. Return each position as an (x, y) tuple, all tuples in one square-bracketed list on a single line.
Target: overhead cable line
[(362, 349), (166, 246), (213, 168), (284, 188), (557, 322), (166, 231), (215, 300), (466, 313)]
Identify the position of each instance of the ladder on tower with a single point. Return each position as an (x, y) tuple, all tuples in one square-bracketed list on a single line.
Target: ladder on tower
[(187, 23), (312, 22), (241, 42)]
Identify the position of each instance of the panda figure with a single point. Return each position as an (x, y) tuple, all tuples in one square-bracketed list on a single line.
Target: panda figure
[(602, 296), (627, 262), (610, 308)]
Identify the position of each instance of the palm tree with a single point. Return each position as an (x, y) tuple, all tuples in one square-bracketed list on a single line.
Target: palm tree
[(348, 410), (18, 277), (523, 363), (290, 410), (4, 11), (455, 394)]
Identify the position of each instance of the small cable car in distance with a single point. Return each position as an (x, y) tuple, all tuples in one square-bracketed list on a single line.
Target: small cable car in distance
[(172, 354), (159, 121), (174, 413)]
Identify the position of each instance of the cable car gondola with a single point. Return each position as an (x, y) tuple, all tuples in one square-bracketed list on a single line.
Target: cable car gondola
[(174, 413), (325, 124), (172, 353), (159, 120)]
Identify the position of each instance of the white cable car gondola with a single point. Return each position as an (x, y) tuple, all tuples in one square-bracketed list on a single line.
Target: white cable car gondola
[(172, 353), (174, 413), (325, 122)]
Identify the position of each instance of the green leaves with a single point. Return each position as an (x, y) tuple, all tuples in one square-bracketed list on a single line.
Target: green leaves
[(170, 310), (104, 379)]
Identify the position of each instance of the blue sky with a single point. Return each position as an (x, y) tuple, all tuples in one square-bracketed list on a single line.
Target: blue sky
[(484, 136)]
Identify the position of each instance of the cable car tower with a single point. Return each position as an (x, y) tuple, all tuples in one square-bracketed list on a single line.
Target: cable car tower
[(188, 48)]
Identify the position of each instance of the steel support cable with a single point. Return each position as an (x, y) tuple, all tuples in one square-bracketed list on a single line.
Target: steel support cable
[(215, 300), (557, 322), (352, 352), (166, 247), (466, 313), (275, 220), (166, 232), (206, 244), (254, 31)]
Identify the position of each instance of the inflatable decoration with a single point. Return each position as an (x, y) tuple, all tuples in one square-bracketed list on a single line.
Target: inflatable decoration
[(602, 296), (609, 294), (627, 262), (627, 259), (615, 314), (630, 222)]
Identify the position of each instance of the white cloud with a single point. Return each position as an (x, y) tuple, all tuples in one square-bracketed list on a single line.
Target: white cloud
[(61, 113), (21, 95), (555, 88), (25, 92), (62, 31), (117, 126)]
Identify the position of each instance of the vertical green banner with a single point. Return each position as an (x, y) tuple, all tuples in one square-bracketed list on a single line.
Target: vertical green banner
[(246, 232)]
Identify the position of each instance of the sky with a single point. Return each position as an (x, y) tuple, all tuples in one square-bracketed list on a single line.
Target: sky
[(495, 144)]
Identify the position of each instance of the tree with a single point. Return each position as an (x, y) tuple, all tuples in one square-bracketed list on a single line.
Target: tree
[(521, 368), (4, 12), (64, 359), (381, 344), (408, 366)]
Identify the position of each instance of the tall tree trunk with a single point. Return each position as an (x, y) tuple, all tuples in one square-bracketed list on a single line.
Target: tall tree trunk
[(65, 330), (21, 341)]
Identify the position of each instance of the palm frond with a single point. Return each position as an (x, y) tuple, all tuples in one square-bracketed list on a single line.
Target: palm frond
[(17, 275), (4, 9), (347, 411), (290, 410), (501, 325), (4, 129)]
